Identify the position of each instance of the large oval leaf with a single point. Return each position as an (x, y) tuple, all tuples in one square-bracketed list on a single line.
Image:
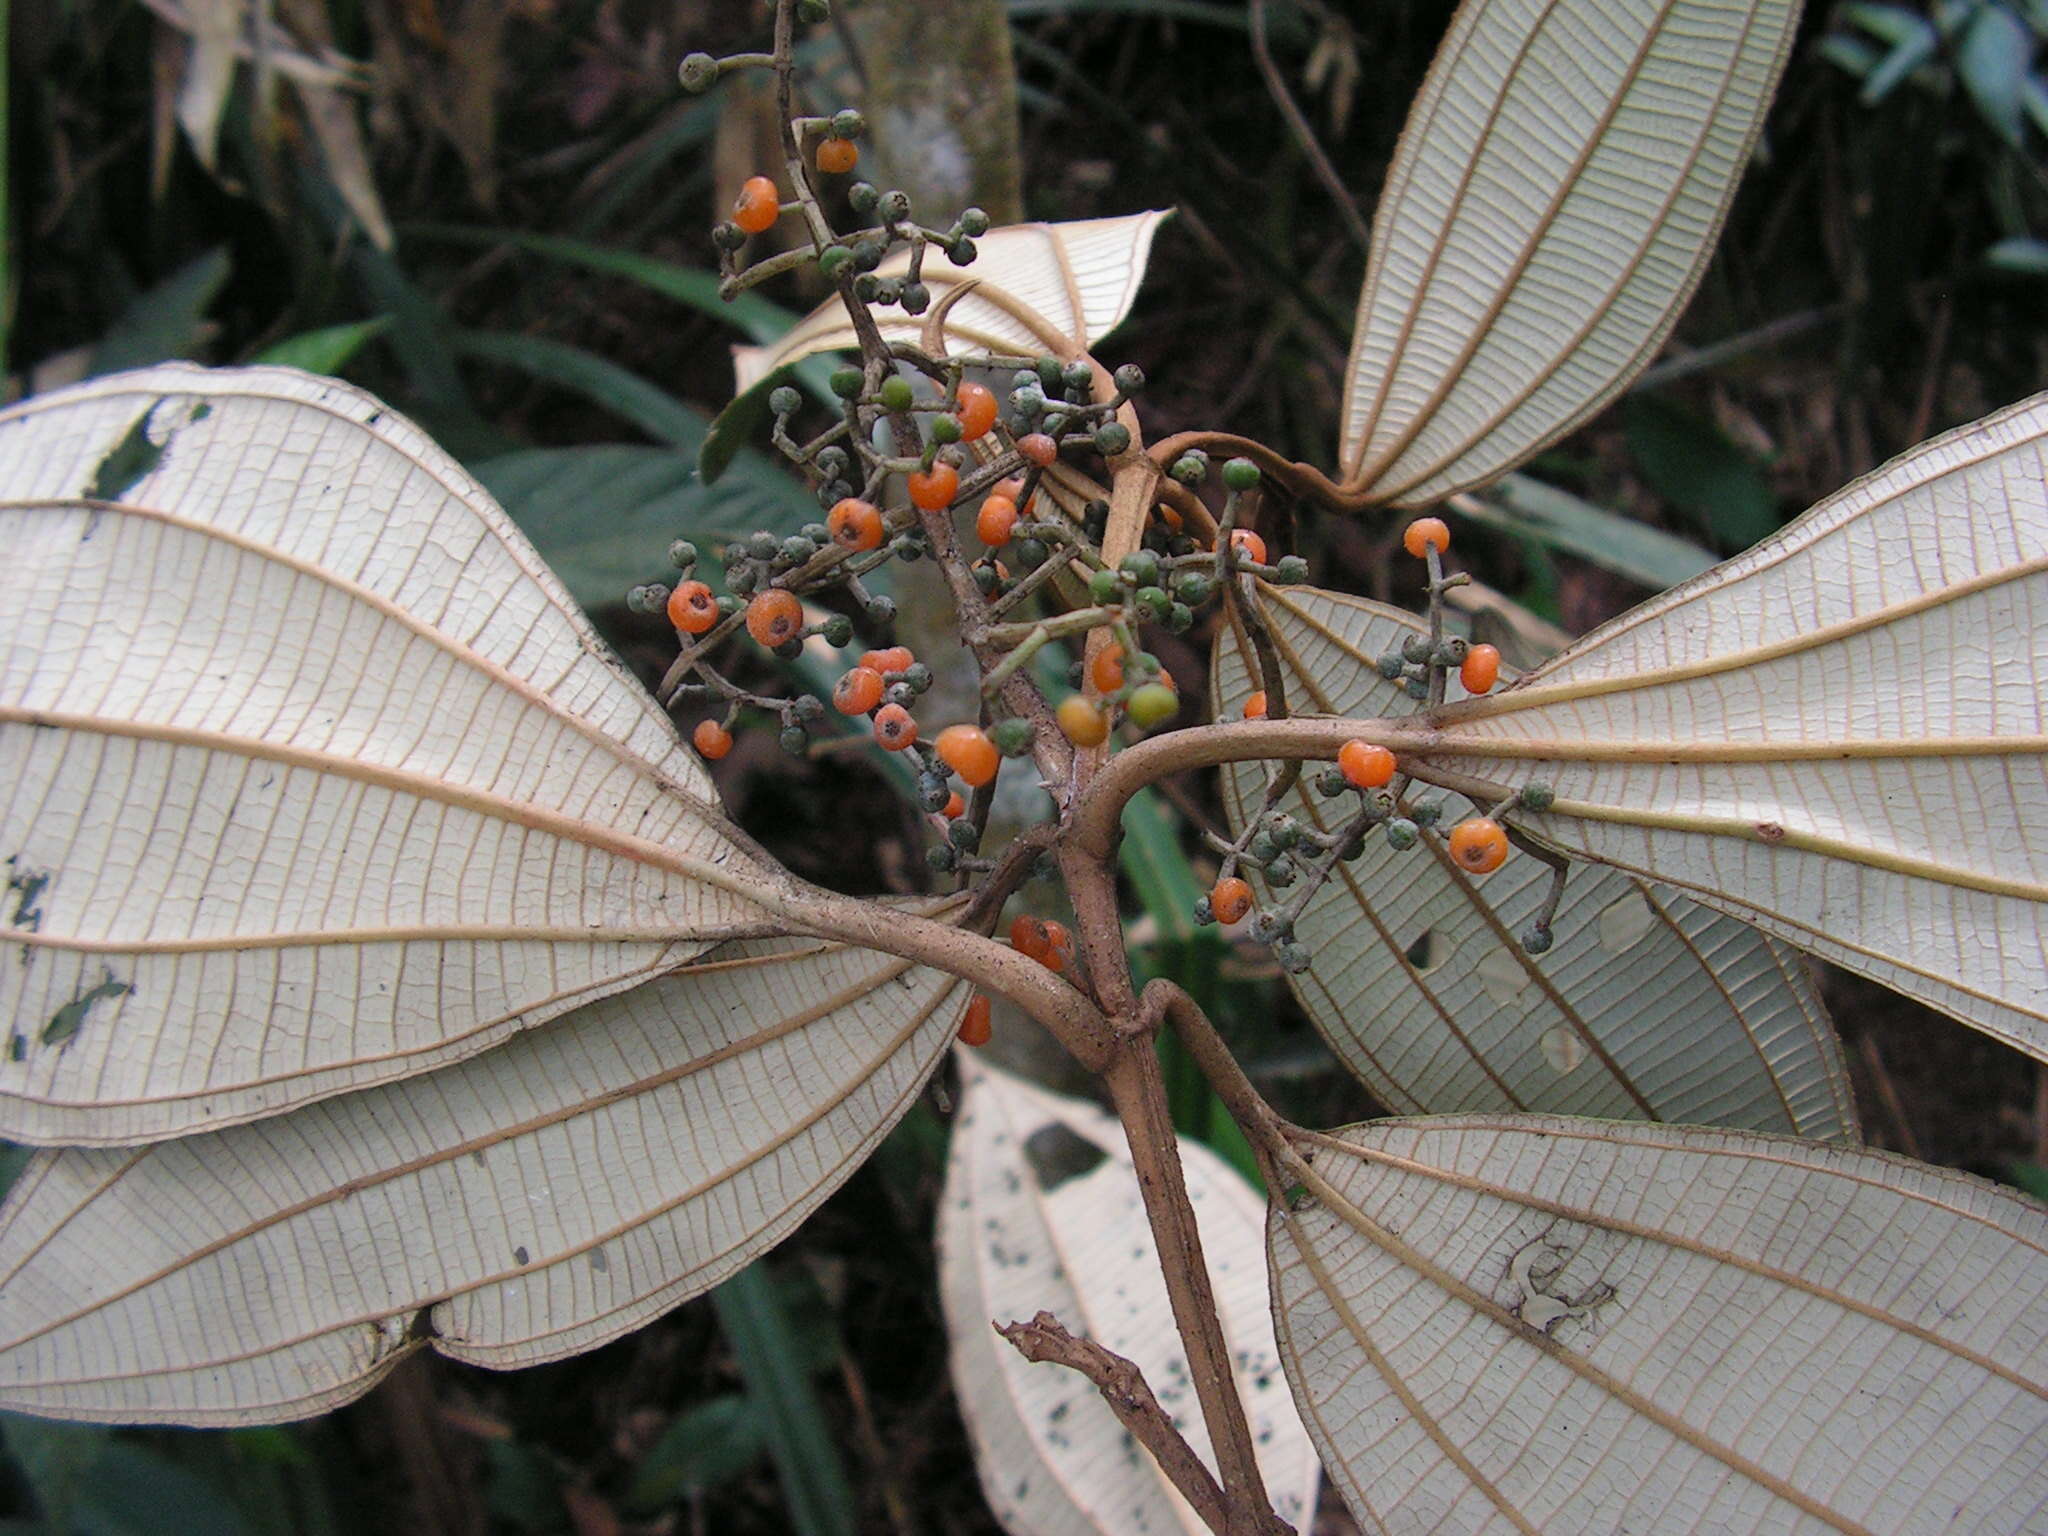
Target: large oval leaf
[(1042, 1211), (1521, 1324), (1549, 212), (574, 1183), (315, 776), (1039, 286), (1838, 735), (1648, 1006)]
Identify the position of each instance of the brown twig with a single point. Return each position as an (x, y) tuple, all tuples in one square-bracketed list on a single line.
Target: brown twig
[(1304, 133), (1123, 1386)]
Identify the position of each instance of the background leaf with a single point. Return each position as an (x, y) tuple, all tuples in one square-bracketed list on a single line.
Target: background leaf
[(1693, 466)]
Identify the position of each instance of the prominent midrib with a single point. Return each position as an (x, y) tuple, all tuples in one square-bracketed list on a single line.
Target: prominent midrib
[(523, 813), (596, 1102)]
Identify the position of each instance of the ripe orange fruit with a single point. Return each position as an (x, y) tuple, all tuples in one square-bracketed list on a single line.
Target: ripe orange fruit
[(1230, 899), (692, 608), (859, 691), (1255, 706), (1082, 721), (894, 658), (977, 410), (758, 206), (1038, 448), (1106, 671), (894, 729), (711, 740), (955, 807), (1059, 946), (775, 616), (1425, 533), (1479, 845), (855, 524), (1029, 938), (975, 1029), (996, 521), (967, 750), (1364, 765), (837, 156), (1248, 544), (1480, 669), (932, 489)]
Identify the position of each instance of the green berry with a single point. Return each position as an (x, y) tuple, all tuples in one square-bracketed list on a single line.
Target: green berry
[(807, 706), (1154, 602), (973, 222), (1291, 571), (945, 429), (1180, 618), (728, 605), (1052, 373), (1293, 958), (790, 649), (813, 10), (831, 262), (1330, 783), (1142, 567), (1153, 704), (1012, 736), (796, 549), (894, 207), (961, 252), (915, 298), (963, 834), (1191, 468), (1391, 665), (848, 124), (1401, 834), (867, 255), (933, 791), (896, 393), (942, 858), (846, 382), (1103, 587), (1415, 649), (1112, 438), (682, 554), (698, 73), (1536, 796), (728, 236), (1030, 554), (1240, 475), (1427, 813), (881, 609), (1537, 938), (862, 196), (784, 400), (1193, 588), (1129, 379), (918, 677), (794, 740)]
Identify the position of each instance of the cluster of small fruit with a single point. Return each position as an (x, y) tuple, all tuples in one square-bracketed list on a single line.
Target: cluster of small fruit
[(1288, 853)]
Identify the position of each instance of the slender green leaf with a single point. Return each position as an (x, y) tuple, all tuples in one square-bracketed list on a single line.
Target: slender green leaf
[(1520, 505), (1992, 59), (619, 390), (805, 1450), (2022, 253), (707, 1445), (327, 350), (1906, 55), (163, 322)]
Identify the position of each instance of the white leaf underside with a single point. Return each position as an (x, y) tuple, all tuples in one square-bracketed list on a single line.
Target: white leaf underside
[(562, 1190), (1648, 1006), (1053, 1459), (1838, 735), (1557, 189), (1799, 1338), (303, 746), (1043, 288)]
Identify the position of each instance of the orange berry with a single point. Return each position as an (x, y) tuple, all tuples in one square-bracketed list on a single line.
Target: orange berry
[(1364, 765), (894, 729), (975, 1029), (933, 489), (855, 524), (1013, 490), (711, 740), (1249, 545), (996, 521), (837, 156), (1082, 720), (775, 616), (1169, 516), (895, 658), (1481, 669), (1106, 671), (692, 608), (859, 691), (977, 410), (1255, 706), (1029, 938), (1059, 946), (759, 205), (967, 750), (1038, 448), (1479, 845), (955, 807), (1426, 533), (1230, 899)]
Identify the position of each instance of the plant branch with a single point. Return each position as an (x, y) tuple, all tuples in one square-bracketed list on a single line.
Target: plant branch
[(1305, 135), (1123, 1386)]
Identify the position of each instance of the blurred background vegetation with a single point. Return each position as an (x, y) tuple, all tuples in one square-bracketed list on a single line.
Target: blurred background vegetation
[(495, 214)]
